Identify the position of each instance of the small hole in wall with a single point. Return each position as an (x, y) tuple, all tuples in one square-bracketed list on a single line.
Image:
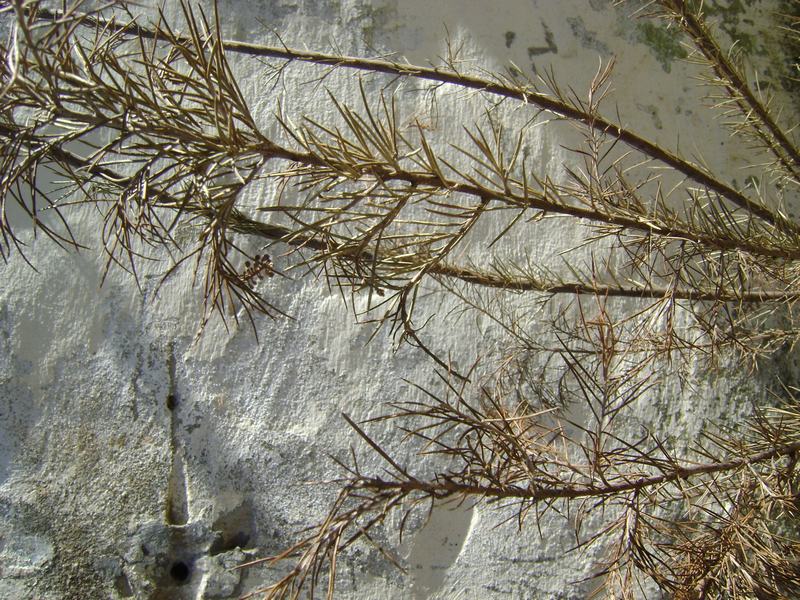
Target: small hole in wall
[(179, 571), (172, 402)]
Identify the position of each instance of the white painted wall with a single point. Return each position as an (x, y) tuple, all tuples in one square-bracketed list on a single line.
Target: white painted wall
[(90, 453)]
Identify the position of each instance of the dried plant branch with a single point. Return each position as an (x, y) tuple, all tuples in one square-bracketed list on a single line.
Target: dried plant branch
[(507, 87), (753, 113), (149, 125), (500, 453)]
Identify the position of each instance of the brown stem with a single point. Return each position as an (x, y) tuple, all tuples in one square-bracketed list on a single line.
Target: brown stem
[(242, 224), (525, 95), (446, 488), (774, 138), (541, 201)]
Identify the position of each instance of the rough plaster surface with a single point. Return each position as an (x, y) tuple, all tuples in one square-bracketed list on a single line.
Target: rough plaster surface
[(129, 449)]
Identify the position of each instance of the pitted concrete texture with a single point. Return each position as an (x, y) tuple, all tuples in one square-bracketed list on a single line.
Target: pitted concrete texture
[(138, 461)]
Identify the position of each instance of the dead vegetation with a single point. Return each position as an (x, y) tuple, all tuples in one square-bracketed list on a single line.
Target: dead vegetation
[(147, 123)]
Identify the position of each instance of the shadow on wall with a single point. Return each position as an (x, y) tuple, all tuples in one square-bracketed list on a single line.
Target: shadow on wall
[(436, 547)]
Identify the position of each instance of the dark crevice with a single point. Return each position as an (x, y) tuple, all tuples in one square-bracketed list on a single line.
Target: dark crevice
[(177, 508), (123, 586), (234, 529), (230, 542)]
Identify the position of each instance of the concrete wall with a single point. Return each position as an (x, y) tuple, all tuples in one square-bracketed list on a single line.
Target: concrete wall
[(129, 448)]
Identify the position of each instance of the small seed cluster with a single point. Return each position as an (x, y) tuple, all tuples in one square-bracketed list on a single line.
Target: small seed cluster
[(257, 270)]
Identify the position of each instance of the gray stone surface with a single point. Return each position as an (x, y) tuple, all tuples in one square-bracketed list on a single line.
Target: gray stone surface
[(137, 461)]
